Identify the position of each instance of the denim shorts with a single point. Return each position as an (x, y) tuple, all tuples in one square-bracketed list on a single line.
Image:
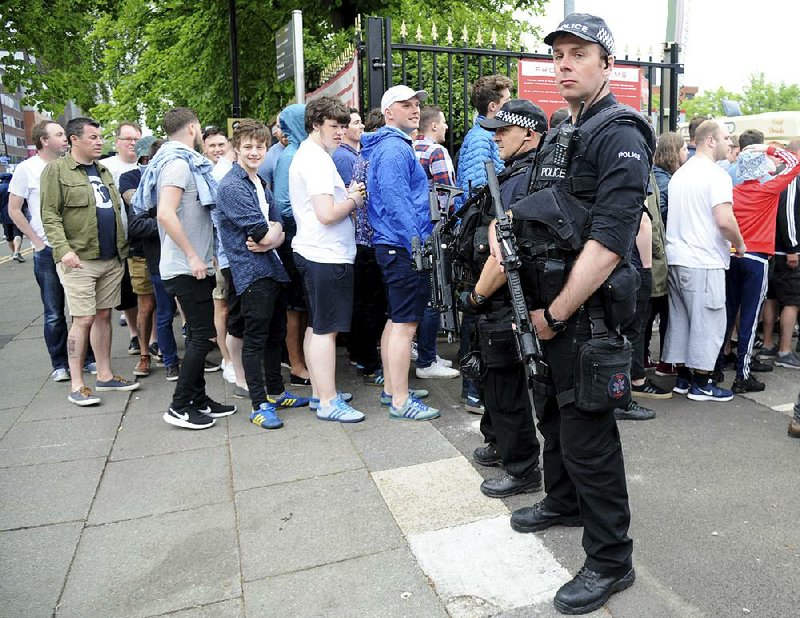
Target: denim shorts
[(328, 290), (408, 291)]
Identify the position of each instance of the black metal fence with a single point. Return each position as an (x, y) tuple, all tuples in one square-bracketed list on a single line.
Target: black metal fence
[(447, 71)]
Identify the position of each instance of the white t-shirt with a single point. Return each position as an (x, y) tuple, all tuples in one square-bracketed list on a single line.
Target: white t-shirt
[(117, 167), (693, 237), (25, 184), (221, 167), (313, 172)]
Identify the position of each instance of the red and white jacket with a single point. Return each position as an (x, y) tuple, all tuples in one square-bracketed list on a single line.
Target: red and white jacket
[(755, 205)]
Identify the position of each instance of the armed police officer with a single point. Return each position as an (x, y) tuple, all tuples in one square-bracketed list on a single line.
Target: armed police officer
[(507, 423), (574, 231)]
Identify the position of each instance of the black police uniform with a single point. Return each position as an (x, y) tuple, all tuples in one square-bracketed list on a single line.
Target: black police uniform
[(582, 457), (507, 422)]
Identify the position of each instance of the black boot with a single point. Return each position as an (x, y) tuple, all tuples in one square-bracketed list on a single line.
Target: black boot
[(487, 456), (540, 517), (508, 485), (590, 590)]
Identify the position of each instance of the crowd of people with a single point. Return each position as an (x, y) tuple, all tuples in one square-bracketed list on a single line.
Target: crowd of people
[(285, 241)]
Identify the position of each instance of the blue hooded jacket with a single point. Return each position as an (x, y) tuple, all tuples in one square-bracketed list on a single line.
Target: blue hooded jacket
[(478, 147), (293, 124), (398, 189)]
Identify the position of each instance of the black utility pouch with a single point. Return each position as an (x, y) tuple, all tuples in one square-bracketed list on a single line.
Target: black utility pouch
[(603, 374), (618, 296), (498, 344), (471, 366)]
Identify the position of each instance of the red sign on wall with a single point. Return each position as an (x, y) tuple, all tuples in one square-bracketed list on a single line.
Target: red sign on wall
[(536, 82)]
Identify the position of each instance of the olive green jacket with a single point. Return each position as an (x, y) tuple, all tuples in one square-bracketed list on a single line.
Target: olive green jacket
[(69, 213), (659, 269)]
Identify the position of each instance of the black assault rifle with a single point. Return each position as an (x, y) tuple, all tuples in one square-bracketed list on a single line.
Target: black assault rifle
[(434, 255), (530, 350)]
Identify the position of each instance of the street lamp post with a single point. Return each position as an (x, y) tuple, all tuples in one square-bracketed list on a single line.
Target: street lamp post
[(237, 104)]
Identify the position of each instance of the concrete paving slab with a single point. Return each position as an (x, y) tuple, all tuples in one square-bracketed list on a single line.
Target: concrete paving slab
[(296, 419), (436, 495), (272, 457), (154, 565), (145, 435), (294, 526), (8, 417), (51, 403), (58, 440), (34, 567), (48, 493), (155, 394), (226, 609), (486, 566), (396, 445), (185, 480), (388, 584), (31, 331)]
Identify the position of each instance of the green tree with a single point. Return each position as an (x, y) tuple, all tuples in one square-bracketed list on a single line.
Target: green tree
[(136, 58), (756, 97)]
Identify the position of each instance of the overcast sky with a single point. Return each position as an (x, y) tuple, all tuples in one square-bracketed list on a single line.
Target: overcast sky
[(725, 42)]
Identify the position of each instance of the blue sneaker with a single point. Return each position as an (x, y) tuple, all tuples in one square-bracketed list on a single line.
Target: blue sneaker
[(313, 402), (374, 379), (339, 411), (413, 410), (288, 400), (710, 392), (417, 393), (90, 368), (266, 417), (681, 386), (473, 404)]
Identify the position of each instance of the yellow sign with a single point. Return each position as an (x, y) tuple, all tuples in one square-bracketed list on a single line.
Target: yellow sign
[(232, 124)]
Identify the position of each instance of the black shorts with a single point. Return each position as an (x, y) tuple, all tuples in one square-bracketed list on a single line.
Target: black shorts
[(235, 322), (408, 291), (329, 295), (128, 299), (11, 231), (295, 296), (785, 282)]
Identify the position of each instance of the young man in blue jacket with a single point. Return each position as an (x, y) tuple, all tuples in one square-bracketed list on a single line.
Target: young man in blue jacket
[(398, 211)]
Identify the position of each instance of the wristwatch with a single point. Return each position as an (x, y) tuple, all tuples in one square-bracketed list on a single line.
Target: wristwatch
[(556, 326), (477, 299)]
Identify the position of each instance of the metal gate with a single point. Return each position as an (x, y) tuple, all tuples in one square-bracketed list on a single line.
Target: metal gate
[(447, 71)]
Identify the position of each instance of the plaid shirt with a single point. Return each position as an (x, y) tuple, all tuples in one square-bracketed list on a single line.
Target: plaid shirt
[(436, 162)]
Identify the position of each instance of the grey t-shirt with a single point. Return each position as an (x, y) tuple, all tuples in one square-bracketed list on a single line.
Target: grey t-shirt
[(195, 219)]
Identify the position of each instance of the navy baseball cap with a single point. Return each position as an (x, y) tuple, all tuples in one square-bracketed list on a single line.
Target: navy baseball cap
[(519, 112), (587, 27)]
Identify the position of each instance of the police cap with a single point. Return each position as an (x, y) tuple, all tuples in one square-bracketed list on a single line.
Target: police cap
[(586, 27), (518, 112)]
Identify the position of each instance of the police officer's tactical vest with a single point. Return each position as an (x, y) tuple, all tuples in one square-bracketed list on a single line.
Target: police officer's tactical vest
[(556, 213), (472, 242)]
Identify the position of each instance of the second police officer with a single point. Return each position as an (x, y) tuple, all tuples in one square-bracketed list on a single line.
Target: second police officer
[(575, 231), (507, 424)]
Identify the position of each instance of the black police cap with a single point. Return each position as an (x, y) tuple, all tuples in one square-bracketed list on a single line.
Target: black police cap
[(587, 27), (518, 112)]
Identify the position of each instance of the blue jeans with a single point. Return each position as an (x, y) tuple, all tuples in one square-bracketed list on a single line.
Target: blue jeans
[(165, 312), (52, 293), (427, 331)]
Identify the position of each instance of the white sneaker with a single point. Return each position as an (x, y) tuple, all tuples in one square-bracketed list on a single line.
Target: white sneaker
[(228, 374), (437, 371), (443, 361), (60, 375), (414, 351)]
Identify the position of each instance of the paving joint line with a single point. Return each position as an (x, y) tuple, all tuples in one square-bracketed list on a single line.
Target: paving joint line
[(232, 498), (88, 513)]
